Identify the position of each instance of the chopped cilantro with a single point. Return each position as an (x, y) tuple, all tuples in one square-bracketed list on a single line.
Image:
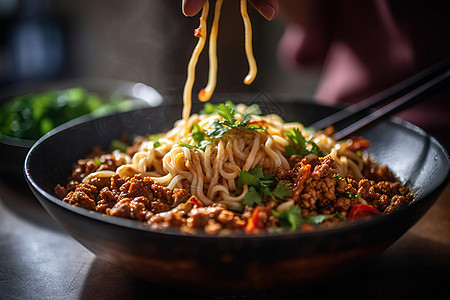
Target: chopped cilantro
[(260, 186), (252, 197), (301, 146), (350, 195), (227, 112), (197, 134), (183, 144), (219, 128), (97, 161), (210, 108), (291, 219), (121, 146), (155, 137), (282, 190)]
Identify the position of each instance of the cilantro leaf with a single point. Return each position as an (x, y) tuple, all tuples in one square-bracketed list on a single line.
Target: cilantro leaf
[(210, 108), (291, 218), (119, 145), (252, 197), (183, 144), (97, 161), (247, 178), (154, 137), (282, 190), (227, 112), (261, 185), (197, 134), (219, 128), (257, 172), (317, 219), (350, 195), (338, 176), (301, 146)]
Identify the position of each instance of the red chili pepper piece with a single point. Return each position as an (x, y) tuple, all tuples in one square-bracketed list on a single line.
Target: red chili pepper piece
[(254, 222), (194, 201), (362, 211), (357, 143), (307, 227)]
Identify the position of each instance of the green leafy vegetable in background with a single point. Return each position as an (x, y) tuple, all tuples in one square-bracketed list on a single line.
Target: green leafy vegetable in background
[(31, 115)]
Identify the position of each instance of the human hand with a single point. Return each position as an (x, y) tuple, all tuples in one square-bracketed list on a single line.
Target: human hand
[(267, 8)]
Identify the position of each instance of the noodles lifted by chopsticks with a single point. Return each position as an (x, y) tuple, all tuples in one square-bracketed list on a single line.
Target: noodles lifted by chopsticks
[(201, 32)]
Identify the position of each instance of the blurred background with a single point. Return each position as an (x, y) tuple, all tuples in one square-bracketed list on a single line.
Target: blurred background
[(147, 41)]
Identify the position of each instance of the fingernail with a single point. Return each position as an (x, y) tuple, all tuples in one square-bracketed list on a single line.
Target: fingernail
[(266, 11), (182, 8)]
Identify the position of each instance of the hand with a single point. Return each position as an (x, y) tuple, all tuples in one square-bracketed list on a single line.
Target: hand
[(267, 8)]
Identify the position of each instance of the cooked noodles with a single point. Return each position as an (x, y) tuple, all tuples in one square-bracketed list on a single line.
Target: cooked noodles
[(201, 32), (211, 173)]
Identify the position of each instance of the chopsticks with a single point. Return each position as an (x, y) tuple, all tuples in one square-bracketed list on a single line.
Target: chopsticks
[(392, 100)]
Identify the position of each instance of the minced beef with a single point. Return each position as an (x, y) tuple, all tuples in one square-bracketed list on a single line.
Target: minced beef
[(317, 189), (323, 191)]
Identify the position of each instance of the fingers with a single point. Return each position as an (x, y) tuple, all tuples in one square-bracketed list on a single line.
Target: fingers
[(267, 8), (192, 7)]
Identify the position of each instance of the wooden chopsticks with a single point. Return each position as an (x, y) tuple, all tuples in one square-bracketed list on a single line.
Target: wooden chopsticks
[(390, 101)]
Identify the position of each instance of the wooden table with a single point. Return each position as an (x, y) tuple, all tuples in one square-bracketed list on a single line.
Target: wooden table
[(39, 260)]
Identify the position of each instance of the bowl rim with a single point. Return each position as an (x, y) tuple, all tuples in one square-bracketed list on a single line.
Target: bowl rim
[(175, 232)]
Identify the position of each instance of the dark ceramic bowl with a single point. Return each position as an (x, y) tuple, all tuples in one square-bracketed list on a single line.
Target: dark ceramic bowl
[(14, 150), (241, 263)]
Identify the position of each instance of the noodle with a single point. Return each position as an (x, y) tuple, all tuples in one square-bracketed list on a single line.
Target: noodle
[(207, 92), (211, 174), (201, 32), (248, 44)]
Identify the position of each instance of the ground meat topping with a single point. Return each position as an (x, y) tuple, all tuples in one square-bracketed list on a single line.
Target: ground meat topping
[(317, 189)]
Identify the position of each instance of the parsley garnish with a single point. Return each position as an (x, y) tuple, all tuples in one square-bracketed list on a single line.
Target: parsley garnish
[(350, 195), (301, 146), (260, 186), (97, 161), (282, 190), (197, 134), (219, 128), (210, 108), (155, 137), (291, 218), (337, 176), (228, 113)]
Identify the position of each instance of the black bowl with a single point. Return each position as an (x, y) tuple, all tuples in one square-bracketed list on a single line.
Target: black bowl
[(13, 150), (240, 263)]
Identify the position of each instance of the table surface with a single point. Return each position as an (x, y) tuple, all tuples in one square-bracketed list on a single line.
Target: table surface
[(40, 260)]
